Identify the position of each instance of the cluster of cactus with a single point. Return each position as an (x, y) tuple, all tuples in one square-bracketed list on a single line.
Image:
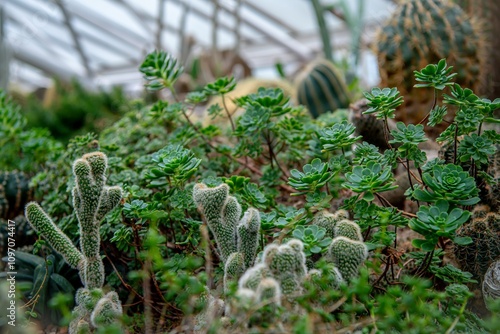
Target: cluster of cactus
[(321, 88), (92, 200), (237, 239), (484, 230), (422, 32), (15, 192)]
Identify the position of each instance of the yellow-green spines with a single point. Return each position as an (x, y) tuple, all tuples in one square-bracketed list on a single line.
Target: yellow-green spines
[(422, 32), (321, 88)]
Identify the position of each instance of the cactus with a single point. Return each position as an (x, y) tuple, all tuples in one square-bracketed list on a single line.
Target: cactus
[(321, 88), (92, 200), (15, 192), (348, 229), (328, 220), (491, 282), (422, 32), (237, 240), (347, 255), (484, 230)]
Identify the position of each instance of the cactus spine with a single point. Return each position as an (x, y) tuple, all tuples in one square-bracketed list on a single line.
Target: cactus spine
[(422, 32), (321, 88), (92, 200)]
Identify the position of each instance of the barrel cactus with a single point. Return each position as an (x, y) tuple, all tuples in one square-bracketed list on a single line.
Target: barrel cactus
[(484, 230), (491, 282), (321, 88), (422, 32)]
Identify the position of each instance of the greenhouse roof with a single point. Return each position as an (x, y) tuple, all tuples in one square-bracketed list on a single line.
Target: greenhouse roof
[(102, 42)]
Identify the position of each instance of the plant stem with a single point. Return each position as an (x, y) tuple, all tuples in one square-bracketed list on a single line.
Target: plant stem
[(227, 112)]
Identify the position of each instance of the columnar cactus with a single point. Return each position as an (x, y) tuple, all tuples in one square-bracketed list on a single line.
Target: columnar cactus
[(348, 229), (237, 240), (92, 200)]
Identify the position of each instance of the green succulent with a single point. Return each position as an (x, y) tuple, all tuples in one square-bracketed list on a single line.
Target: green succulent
[(338, 136), (468, 119), (314, 176), (449, 183), (220, 86), (272, 99), (438, 221), (383, 102), (463, 97), (369, 179), (408, 136), (436, 116), (173, 164), (477, 148), (365, 152), (160, 70), (435, 76), (313, 238)]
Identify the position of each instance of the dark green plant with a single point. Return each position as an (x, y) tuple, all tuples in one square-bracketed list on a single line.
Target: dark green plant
[(435, 76), (313, 237), (477, 148), (314, 176), (438, 221), (160, 70), (338, 136), (383, 102), (449, 183), (369, 180)]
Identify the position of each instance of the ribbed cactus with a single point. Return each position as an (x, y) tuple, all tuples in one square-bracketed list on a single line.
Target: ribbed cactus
[(484, 230), (237, 240), (491, 282), (328, 220), (92, 200), (15, 192), (422, 32), (321, 88)]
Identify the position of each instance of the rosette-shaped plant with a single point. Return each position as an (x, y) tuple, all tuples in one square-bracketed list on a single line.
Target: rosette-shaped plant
[(92, 200), (314, 176), (438, 221), (369, 179), (449, 183), (313, 238), (338, 136)]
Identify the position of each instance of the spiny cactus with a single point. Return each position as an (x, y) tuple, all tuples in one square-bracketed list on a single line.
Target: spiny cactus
[(92, 200), (237, 240), (15, 192), (484, 230), (328, 220), (287, 264), (422, 32), (347, 255), (321, 88), (491, 282), (348, 229)]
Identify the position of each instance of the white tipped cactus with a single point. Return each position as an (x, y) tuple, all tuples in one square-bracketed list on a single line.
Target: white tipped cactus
[(237, 240), (92, 200), (348, 229), (234, 268), (347, 255), (287, 264), (253, 276), (329, 220), (269, 291)]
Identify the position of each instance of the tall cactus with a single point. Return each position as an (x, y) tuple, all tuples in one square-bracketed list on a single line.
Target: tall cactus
[(422, 32), (92, 200), (237, 240)]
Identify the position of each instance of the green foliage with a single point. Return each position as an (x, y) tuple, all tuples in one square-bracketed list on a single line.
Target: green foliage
[(449, 183), (383, 102), (160, 70), (220, 86), (314, 176), (435, 76), (369, 179), (313, 238), (438, 221), (338, 136)]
